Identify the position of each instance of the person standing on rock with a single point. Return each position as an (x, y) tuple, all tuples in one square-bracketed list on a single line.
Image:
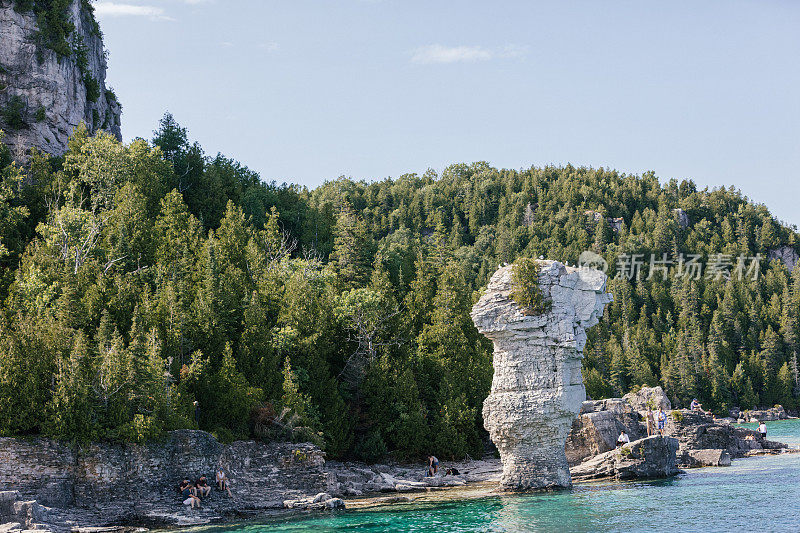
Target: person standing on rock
[(651, 424), (762, 428), (662, 421)]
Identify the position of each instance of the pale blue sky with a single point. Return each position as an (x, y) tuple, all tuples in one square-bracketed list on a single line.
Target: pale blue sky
[(305, 91)]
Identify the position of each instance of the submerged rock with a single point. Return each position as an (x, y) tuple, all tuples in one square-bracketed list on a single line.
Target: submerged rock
[(537, 386), (650, 457)]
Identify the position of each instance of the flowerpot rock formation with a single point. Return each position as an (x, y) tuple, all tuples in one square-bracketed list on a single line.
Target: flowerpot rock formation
[(537, 387)]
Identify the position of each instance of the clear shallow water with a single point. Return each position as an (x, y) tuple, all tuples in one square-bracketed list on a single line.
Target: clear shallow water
[(786, 431), (756, 494)]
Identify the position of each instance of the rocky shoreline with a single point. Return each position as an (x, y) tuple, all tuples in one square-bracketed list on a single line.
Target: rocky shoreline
[(48, 486)]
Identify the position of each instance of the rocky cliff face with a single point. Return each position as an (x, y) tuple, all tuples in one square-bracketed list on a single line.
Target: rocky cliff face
[(61, 476), (786, 255), (537, 387), (45, 95)]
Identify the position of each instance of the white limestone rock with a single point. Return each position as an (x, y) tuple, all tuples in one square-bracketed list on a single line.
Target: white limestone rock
[(650, 457), (54, 84), (786, 255), (537, 387), (648, 397), (683, 218)]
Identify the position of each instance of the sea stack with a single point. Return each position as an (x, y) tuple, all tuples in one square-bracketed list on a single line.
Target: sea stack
[(537, 388)]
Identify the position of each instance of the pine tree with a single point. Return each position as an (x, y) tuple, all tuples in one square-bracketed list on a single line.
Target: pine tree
[(353, 248), (784, 386), (70, 415)]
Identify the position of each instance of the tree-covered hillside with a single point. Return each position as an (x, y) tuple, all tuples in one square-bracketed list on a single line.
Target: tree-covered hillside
[(138, 279)]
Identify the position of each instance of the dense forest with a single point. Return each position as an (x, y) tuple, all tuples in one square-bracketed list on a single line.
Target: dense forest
[(139, 279)]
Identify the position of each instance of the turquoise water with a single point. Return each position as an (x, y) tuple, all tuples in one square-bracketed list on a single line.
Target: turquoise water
[(755, 494), (787, 431)]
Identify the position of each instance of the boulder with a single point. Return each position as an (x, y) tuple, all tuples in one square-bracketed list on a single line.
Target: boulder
[(537, 388), (650, 457), (765, 415), (648, 397), (698, 458), (15, 510), (334, 503), (319, 502), (597, 427), (322, 497)]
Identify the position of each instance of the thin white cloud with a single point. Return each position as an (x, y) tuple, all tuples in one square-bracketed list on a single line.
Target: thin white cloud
[(440, 54), (436, 53), (114, 9), (269, 46)]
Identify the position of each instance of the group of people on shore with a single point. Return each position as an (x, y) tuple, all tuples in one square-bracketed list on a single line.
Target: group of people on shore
[(655, 422), (192, 494)]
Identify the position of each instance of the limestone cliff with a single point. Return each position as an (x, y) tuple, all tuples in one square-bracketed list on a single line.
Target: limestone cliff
[(47, 90), (537, 387), (108, 477)]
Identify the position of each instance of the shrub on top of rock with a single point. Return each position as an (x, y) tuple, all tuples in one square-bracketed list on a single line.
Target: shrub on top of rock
[(525, 289)]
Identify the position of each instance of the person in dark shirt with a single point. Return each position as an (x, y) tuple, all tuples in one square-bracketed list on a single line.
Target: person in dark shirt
[(189, 494), (202, 486)]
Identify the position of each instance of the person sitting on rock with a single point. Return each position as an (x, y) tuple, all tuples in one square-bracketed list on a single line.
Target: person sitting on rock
[(433, 466), (189, 494), (696, 406), (452, 471), (222, 481), (202, 486), (623, 439), (662, 422)]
